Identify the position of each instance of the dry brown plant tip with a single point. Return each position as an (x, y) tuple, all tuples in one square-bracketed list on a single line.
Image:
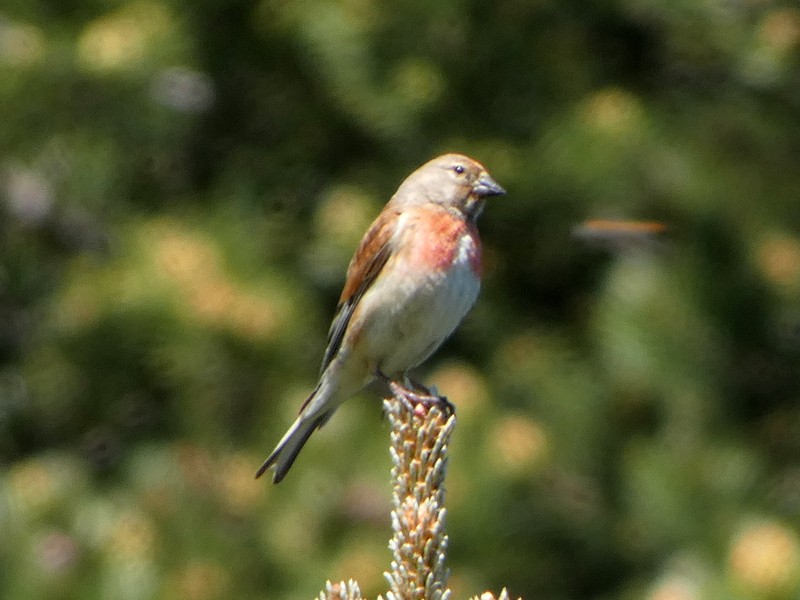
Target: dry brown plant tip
[(419, 440), (421, 426)]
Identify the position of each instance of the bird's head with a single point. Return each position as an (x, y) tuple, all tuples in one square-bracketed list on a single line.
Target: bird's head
[(453, 180)]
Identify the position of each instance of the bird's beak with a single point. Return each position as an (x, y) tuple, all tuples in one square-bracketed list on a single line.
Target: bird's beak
[(486, 186)]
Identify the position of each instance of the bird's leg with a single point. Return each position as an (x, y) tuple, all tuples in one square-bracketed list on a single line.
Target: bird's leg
[(415, 392), (404, 395), (383, 377), (414, 395), (398, 391), (416, 386)]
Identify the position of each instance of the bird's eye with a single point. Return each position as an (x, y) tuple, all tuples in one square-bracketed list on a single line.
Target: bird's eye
[(459, 169)]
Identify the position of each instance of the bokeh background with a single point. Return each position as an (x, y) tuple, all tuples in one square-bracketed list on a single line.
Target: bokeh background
[(182, 184)]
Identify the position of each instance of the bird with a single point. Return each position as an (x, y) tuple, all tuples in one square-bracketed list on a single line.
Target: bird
[(415, 275)]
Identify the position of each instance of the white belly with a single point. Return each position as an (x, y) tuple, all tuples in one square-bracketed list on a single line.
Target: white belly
[(412, 314)]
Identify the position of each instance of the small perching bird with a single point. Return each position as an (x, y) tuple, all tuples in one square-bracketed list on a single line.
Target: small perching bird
[(413, 278)]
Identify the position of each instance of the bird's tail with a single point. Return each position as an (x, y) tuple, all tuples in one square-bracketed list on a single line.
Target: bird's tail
[(313, 415), (289, 447)]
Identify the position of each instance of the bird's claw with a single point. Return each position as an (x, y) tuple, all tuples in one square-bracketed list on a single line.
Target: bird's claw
[(419, 402)]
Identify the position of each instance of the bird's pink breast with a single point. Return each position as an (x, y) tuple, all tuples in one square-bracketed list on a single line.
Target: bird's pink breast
[(442, 241)]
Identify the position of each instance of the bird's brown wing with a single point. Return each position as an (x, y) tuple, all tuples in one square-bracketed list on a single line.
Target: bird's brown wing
[(372, 254)]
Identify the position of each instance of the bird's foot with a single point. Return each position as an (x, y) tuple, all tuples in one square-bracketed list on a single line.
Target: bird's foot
[(419, 400)]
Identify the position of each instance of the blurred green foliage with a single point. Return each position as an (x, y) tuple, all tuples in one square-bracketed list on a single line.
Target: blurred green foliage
[(182, 185)]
